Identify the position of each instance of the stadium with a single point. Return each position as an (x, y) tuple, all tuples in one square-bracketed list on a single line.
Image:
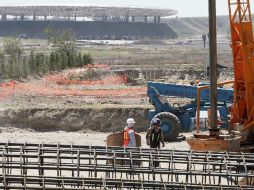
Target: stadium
[(87, 22)]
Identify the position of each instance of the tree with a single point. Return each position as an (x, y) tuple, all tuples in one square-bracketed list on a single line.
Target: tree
[(26, 68), (2, 66), (31, 62), (39, 63), (87, 59), (12, 46), (61, 41), (66, 54), (52, 36)]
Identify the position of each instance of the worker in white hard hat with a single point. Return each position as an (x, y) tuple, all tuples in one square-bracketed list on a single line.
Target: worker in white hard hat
[(129, 139)]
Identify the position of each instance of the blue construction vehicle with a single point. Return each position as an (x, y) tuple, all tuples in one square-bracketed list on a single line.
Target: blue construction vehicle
[(175, 117)]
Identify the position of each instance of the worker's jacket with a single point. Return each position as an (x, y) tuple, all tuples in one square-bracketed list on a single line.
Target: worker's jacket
[(129, 139), (154, 137)]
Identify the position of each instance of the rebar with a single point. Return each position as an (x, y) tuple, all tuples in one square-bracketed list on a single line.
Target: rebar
[(67, 183), (173, 166)]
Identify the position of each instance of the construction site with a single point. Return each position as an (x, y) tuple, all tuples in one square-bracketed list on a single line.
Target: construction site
[(79, 83)]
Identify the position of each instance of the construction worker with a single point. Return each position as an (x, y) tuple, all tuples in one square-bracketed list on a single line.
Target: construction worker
[(129, 139), (154, 135)]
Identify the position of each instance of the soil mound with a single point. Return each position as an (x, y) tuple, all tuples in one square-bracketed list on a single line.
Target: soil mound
[(103, 120)]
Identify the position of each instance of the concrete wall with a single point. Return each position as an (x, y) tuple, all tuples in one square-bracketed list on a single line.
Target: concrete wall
[(35, 29)]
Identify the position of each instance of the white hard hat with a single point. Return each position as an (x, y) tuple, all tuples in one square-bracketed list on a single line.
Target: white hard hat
[(130, 121)]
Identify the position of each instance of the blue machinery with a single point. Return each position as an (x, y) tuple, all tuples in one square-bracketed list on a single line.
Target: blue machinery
[(175, 117)]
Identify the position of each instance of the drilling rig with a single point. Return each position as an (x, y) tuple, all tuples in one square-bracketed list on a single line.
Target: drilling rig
[(242, 117), (242, 114)]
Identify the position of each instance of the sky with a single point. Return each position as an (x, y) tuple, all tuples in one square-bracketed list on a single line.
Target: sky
[(185, 8)]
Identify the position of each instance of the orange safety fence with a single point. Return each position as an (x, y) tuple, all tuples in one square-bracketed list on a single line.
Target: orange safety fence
[(107, 80), (104, 66), (65, 78), (31, 89), (62, 85), (7, 89), (28, 89)]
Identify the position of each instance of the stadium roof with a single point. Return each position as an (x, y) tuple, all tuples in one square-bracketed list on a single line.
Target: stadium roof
[(84, 11)]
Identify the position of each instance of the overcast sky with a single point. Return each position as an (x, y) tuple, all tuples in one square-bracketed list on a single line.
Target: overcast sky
[(185, 8)]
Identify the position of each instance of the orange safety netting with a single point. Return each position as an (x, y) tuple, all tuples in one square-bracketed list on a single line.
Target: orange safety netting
[(65, 78), (29, 89), (104, 66), (107, 80), (7, 89), (62, 85), (25, 89)]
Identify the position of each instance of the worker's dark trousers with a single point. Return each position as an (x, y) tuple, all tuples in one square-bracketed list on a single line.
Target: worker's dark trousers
[(155, 163)]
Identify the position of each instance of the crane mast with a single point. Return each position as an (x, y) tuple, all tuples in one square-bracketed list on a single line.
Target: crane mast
[(243, 62)]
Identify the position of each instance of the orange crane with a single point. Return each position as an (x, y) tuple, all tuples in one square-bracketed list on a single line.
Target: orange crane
[(243, 60)]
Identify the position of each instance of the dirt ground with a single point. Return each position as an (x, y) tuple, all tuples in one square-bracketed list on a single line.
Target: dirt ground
[(74, 113), (55, 109), (79, 138)]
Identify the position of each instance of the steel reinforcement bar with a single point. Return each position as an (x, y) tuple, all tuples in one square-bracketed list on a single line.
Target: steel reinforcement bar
[(67, 183), (172, 166)]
